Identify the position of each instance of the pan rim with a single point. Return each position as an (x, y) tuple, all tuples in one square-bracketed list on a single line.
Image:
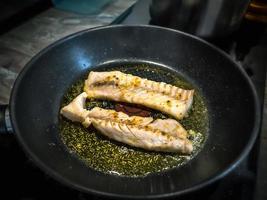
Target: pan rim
[(62, 179)]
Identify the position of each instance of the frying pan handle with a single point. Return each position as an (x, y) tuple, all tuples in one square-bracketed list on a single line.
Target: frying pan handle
[(5, 124)]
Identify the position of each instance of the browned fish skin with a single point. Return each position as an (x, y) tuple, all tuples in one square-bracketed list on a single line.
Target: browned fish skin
[(161, 135), (118, 86)]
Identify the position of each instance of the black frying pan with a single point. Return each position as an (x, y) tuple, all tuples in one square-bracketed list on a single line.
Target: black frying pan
[(232, 105)]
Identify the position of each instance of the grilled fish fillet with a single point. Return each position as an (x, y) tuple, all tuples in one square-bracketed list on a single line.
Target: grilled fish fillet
[(143, 137), (170, 127), (159, 135), (119, 86)]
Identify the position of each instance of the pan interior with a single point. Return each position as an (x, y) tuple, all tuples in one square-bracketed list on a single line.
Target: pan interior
[(102, 154)]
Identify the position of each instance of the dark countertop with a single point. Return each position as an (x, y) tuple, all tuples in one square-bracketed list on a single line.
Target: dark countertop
[(261, 180)]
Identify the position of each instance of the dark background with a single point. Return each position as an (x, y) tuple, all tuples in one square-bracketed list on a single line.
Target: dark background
[(14, 12)]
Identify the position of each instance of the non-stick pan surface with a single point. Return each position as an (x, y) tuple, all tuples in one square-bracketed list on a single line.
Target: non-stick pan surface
[(231, 99)]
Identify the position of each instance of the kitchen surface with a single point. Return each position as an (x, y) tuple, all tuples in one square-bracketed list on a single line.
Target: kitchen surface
[(247, 46), (21, 43)]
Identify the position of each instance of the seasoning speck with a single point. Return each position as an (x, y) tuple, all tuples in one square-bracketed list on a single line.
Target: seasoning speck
[(102, 154)]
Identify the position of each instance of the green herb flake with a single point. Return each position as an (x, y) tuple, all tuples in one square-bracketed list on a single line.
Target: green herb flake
[(102, 154)]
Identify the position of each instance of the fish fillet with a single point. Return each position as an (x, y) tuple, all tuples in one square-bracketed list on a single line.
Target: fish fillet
[(169, 126), (142, 137), (159, 135), (119, 86), (75, 111)]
